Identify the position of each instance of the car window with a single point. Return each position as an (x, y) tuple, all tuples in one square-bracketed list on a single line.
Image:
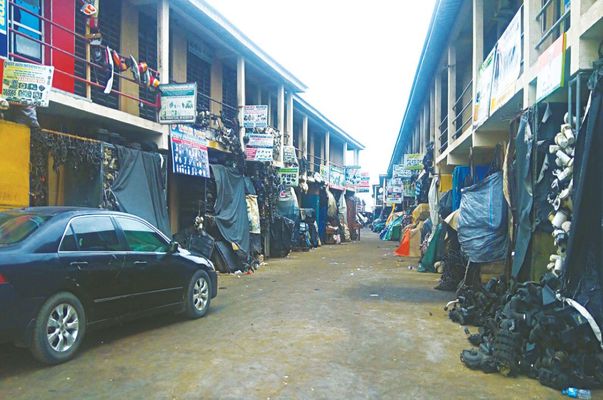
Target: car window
[(17, 227), (141, 237), (68, 243), (94, 233)]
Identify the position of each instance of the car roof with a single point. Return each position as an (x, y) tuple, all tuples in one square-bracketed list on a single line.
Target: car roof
[(58, 210)]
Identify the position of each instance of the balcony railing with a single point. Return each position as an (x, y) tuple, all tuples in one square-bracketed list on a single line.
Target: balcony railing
[(443, 134), (554, 20), (87, 80), (461, 106)]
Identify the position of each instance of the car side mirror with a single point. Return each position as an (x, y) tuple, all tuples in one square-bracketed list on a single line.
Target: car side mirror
[(174, 246)]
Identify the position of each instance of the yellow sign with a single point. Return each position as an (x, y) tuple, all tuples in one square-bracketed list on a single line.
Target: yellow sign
[(14, 165)]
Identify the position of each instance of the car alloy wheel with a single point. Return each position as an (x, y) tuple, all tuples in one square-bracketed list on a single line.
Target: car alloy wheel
[(200, 294), (63, 327)]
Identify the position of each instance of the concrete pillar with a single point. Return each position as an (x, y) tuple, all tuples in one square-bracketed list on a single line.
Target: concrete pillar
[(327, 148), (163, 40), (241, 95), (129, 45), (478, 41), (179, 50), (258, 99), (270, 121), (215, 86), (345, 154), (311, 154), (304, 141), (280, 116), (289, 126), (432, 122), (356, 157), (531, 35), (437, 111), (451, 93)]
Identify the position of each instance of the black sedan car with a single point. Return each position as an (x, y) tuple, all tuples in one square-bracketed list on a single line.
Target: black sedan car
[(64, 270)]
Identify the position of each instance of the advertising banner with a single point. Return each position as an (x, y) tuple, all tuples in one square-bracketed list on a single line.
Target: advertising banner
[(324, 173), (393, 193), (255, 117), (399, 171), (259, 147), (551, 64), (27, 84), (352, 176), (413, 161), (289, 176), (365, 183), (507, 64), (336, 177), (289, 156), (178, 103), (189, 154), (481, 103)]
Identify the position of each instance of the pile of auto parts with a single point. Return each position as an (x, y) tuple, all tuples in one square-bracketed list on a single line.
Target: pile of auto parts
[(530, 330)]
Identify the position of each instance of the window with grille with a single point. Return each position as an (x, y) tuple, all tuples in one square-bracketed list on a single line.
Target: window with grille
[(229, 93), (199, 70), (147, 52), (25, 23)]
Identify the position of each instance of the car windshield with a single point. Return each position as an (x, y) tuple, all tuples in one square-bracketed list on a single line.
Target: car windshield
[(17, 227)]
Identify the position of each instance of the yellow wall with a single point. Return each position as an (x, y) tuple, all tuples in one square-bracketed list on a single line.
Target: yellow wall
[(216, 86), (14, 165), (129, 45), (179, 49)]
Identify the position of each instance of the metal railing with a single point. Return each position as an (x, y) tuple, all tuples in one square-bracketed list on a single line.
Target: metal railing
[(559, 22), (460, 107), (89, 64), (443, 134)]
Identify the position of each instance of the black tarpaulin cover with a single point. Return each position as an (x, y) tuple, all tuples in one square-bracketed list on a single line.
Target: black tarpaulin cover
[(482, 228), (140, 187), (231, 206)]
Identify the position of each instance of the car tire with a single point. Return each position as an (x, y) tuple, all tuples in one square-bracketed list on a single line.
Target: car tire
[(198, 295), (59, 329)]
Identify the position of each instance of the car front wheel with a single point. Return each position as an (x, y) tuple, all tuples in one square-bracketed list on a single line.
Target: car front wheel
[(198, 295), (59, 329)]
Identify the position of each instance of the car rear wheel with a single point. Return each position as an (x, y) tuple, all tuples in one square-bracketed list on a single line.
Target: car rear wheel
[(198, 296), (59, 329)]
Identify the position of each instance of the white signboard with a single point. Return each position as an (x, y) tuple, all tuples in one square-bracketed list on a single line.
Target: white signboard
[(255, 117), (550, 69), (178, 103), (507, 64), (481, 103), (27, 84)]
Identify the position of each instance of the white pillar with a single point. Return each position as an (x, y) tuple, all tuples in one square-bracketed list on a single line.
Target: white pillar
[(163, 40), (356, 157), (437, 115), (478, 41), (270, 121), (304, 143), (259, 96), (289, 127), (327, 148), (280, 115), (241, 95)]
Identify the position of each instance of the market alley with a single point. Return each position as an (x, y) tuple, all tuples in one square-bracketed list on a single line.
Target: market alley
[(341, 322)]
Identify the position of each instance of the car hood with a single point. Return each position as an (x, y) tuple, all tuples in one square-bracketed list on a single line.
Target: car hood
[(196, 259)]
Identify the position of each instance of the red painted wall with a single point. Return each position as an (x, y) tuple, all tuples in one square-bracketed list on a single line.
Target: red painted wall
[(61, 12)]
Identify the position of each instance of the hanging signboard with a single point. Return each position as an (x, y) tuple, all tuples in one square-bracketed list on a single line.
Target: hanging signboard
[(289, 156), (289, 176), (551, 64), (336, 177), (408, 188), (413, 161), (324, 173), (259, 147), (178, 103), (481, 103), (507, 64), (352, 176), (364, 186), (255, 117), (393, 193), (4, 28), (26, 84), (399, 171), (189, 154)]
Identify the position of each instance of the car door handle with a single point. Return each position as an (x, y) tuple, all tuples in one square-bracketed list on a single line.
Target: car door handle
[(140, 262), (78, 264)]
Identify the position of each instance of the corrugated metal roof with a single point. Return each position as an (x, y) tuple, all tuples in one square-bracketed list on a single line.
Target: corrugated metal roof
[(442, 21)]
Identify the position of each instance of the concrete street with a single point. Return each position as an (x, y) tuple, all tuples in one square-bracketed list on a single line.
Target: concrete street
[(340, 322)]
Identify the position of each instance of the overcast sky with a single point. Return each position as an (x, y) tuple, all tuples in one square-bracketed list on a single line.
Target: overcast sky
[(358, 58)]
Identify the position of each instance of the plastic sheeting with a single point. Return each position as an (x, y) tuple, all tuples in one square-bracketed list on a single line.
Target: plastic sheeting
[(434, 206), (231, 206), (140, 187), (483, 220), (461, 177)]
